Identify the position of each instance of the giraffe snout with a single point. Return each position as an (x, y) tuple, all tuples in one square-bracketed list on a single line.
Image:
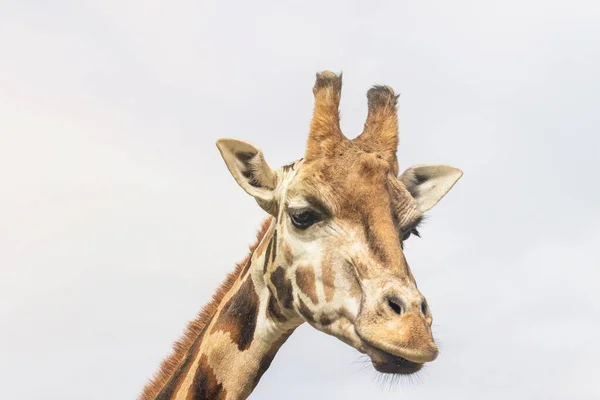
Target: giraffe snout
[(399, 325)]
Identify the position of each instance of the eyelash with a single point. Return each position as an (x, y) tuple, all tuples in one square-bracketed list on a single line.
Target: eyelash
[(412, 231)]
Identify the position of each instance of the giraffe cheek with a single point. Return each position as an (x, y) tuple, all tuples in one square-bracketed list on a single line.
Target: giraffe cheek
[(306, 282), (328, 276)]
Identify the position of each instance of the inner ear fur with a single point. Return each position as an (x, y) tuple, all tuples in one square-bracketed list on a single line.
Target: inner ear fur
[(429, 183)]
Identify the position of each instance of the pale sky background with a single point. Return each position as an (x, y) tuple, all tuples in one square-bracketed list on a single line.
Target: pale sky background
[(118, 217)]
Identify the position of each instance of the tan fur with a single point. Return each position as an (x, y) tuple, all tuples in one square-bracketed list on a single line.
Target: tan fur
[(182, 346), (380, 133), (325, 133), (328, 278)]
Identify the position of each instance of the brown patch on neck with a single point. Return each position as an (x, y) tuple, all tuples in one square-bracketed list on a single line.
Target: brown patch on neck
[(238, 316), (305, 278), (274, 311), (192, 335), (283, 287), (305, 311), (205, 385)]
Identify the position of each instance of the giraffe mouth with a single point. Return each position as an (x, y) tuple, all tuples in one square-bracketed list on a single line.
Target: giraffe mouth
[(388, 363)]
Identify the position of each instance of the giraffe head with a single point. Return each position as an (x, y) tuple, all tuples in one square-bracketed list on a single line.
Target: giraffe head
[(342, 214)]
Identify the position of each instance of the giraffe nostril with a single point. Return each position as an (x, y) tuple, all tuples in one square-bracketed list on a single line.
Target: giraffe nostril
[(395, 305), (424, 307)]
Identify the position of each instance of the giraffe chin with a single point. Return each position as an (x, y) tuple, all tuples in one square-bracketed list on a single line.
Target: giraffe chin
[(387, 363)]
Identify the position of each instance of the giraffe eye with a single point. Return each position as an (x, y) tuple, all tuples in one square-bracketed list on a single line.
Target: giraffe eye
[(302, 219)]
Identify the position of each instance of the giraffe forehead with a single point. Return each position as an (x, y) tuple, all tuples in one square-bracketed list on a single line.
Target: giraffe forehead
[(359, 190), (337, 185), (345, 166)]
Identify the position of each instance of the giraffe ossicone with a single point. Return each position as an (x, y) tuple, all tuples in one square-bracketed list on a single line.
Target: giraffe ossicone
[(330, 254)]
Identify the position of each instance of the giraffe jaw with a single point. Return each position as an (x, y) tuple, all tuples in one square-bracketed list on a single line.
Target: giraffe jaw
[(383, 360)]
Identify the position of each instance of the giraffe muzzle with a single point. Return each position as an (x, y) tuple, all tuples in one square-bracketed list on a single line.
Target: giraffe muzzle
[(396, 336)]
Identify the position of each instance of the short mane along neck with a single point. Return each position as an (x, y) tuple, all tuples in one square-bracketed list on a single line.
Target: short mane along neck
[(228, 347)]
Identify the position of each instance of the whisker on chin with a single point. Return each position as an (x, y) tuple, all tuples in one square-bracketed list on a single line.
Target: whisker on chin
[(396, 382), (385, 382), (362, 359), (364, 363)]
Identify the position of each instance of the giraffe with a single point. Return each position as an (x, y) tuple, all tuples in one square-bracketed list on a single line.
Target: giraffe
[(329, 254)]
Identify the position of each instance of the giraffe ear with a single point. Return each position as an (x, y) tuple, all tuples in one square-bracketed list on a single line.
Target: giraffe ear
[(249, 168), (429, 183)]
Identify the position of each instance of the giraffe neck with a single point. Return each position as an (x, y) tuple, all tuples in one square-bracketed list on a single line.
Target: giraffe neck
[(235, 347)]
